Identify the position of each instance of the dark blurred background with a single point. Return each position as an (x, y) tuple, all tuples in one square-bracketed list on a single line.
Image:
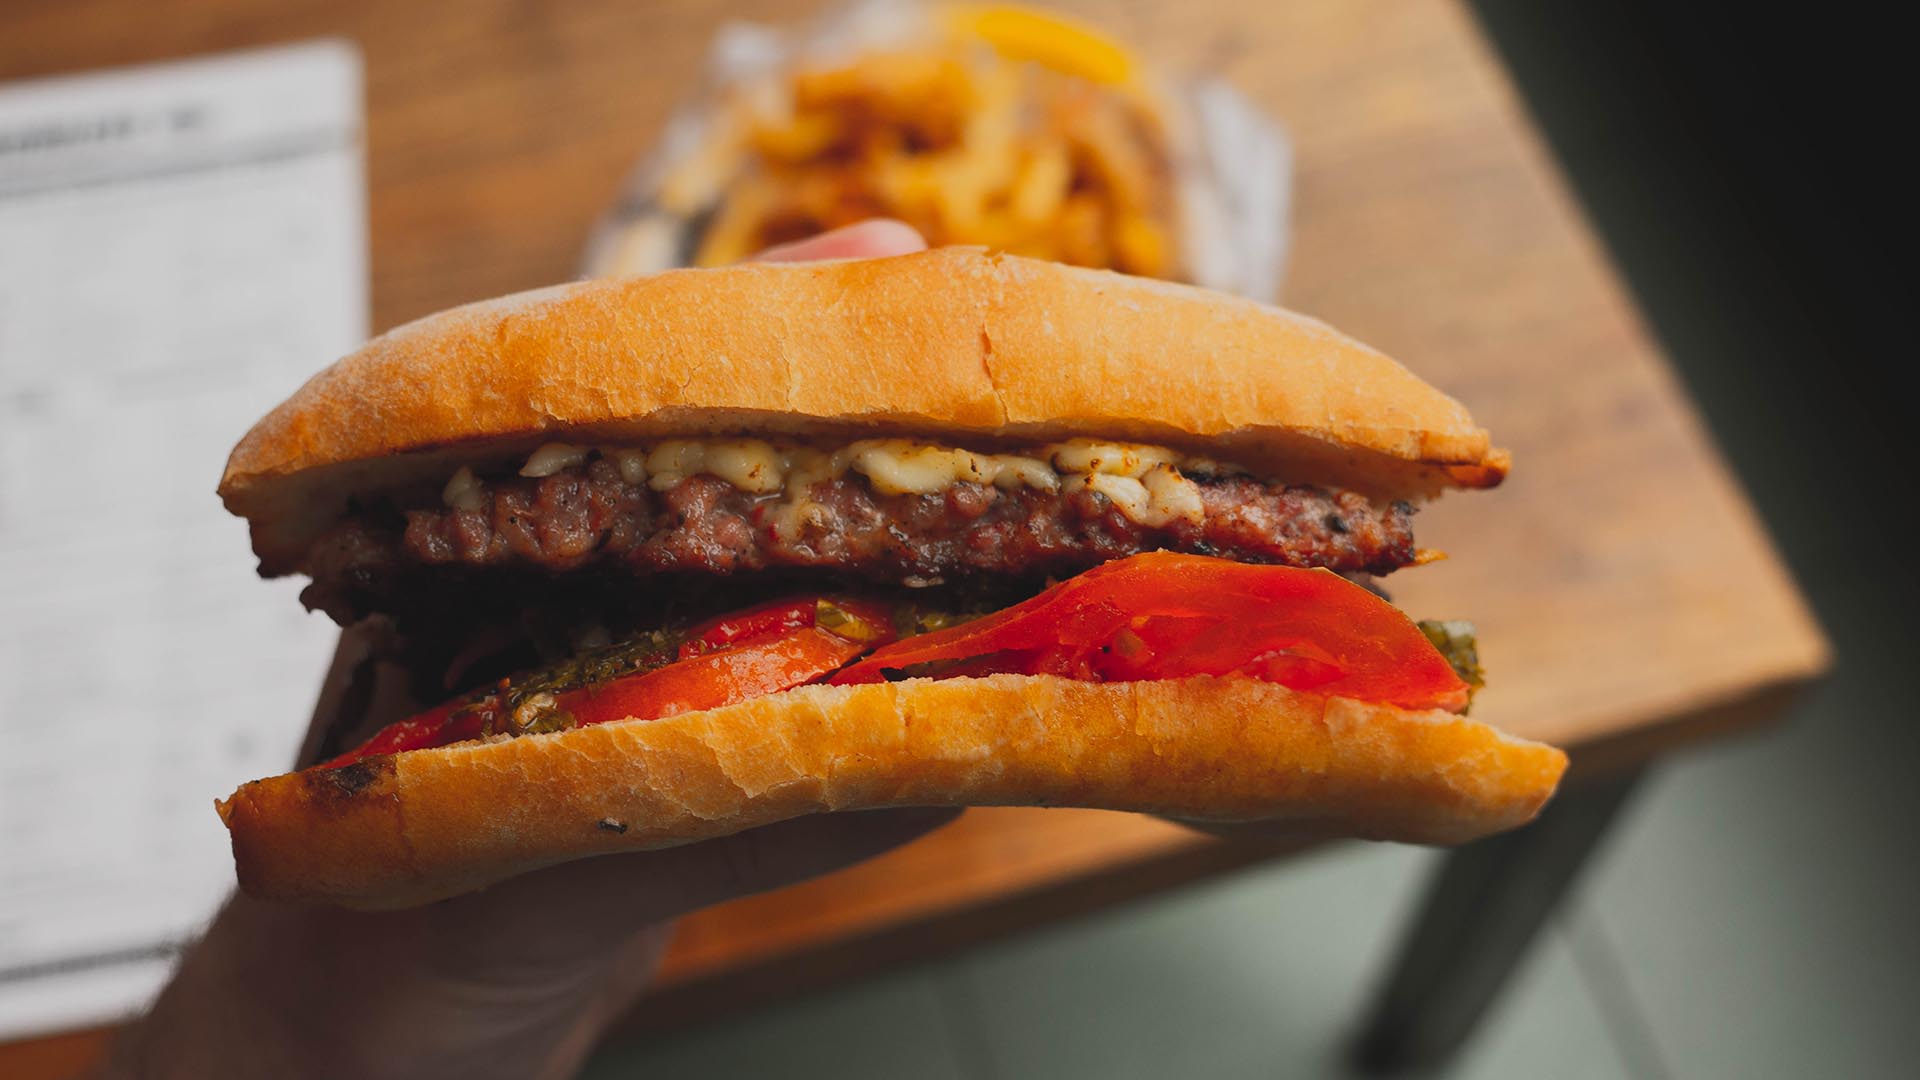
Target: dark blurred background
[(1740, 164)]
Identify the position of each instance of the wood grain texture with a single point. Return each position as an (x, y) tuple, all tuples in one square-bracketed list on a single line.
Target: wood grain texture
[(1627, 597)]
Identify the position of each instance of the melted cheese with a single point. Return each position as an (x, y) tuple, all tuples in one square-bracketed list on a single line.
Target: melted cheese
[(900, 467), (463, 492), (552, 458), (1147, 484), (1086, 457), (753, 466), (1170, 497), (631, 462)]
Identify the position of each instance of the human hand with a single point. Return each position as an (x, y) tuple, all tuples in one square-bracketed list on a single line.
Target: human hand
[(519, 980)]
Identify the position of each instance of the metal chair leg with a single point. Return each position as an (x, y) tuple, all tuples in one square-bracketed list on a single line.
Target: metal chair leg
[(1482, 910)]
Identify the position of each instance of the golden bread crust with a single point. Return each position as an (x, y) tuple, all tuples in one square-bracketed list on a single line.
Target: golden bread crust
[(424, 825), (953, 343)]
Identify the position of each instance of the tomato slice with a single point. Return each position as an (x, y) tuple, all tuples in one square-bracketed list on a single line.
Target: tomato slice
[(742, 655), (456, 721), (1153, 616), (773, 618), (1162, 616), (748, 669)]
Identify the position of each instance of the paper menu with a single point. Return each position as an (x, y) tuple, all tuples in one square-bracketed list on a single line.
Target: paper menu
[(180, 246)]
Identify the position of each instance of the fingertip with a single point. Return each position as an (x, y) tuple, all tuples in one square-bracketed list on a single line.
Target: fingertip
[(871, 239), (887, 236)]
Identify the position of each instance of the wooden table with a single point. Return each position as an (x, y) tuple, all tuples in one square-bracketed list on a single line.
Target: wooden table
[(1629, 601)]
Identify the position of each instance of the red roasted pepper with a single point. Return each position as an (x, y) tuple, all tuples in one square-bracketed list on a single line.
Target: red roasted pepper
[(1152, 616), (1165, 616), (747, 654)]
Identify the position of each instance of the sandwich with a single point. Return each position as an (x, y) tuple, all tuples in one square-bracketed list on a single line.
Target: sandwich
[(665, 558)]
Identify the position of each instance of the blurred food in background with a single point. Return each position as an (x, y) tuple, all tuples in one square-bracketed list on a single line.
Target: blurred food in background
[(977, 124), (1015, 131)]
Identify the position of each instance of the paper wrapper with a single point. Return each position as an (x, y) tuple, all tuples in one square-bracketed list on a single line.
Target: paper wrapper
[(1231, 166)]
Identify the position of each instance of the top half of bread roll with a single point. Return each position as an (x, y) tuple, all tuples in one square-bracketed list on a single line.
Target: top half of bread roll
[(956, 344)]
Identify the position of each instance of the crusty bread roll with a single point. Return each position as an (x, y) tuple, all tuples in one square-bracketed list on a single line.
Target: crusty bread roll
[(420, 826), (955, 343)]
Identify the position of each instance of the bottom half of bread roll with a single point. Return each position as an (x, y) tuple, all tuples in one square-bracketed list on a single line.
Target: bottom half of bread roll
[(410, 828)]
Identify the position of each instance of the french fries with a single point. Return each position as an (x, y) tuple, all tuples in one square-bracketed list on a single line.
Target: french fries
[(1014, 131)]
